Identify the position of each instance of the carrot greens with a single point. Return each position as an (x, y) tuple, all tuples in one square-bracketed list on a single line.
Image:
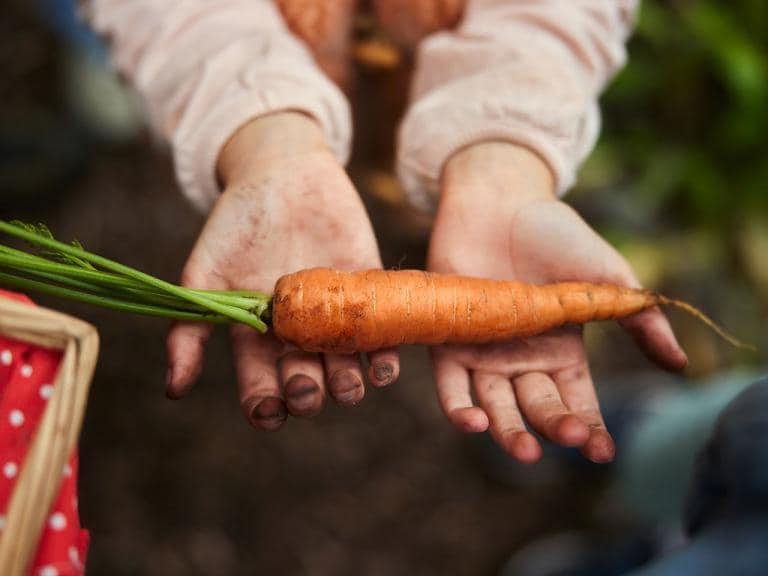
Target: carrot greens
[(326, 310), (69, 271)]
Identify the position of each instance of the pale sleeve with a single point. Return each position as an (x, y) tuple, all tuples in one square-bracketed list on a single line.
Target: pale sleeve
[(524, 71), (204, 68)]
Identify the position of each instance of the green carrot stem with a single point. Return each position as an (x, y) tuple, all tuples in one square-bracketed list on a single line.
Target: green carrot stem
[(247, 300), (223, 309), (44, 270), (128, 295), (106, 302), (102, 283), (240, 293)]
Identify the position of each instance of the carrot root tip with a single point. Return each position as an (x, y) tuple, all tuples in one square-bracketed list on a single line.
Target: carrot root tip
[(695, 312)]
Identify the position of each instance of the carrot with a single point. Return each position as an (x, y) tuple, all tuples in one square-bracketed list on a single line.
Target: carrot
[(325, 310)]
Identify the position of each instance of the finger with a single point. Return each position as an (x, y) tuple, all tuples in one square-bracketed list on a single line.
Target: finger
[(256, 357), (302, 377), (453, 392), (578, 393), (384, 366), (650, 329), (540, 403), (344, 378), (185, 345), (186, 340), (652, 332), (497, 398)]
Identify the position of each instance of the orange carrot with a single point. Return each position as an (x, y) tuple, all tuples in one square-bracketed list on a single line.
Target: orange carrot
[(325, 310)]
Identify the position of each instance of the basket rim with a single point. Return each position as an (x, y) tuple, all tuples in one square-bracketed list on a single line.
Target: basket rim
[(56, 436)]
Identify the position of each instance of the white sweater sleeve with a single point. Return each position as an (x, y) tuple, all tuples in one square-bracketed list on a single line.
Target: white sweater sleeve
[(206, 67), (524, 71)]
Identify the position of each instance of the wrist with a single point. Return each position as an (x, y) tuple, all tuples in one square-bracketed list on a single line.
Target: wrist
[(504, 168), (265, 140)]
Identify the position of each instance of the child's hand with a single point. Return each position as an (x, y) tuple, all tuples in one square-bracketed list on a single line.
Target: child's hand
[(499, 218), (287, 204)]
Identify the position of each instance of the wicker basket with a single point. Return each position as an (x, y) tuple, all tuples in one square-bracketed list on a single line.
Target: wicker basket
[(40, 476)]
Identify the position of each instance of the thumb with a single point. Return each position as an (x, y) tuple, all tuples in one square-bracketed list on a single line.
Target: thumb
[(185, 346), (651, 330), (186, 340)]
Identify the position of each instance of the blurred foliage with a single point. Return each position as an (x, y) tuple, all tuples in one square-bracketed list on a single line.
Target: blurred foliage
[(679, 179), (686, 122)]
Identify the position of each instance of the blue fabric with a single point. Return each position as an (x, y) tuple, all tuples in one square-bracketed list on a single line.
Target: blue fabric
[(731, 474), (732, 547), (61, 17), (656, 463), (727, 508)]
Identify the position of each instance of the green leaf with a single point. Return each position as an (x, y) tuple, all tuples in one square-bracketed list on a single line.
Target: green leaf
[(43, 231)]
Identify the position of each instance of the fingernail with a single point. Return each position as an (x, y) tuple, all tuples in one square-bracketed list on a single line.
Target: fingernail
[(601, 448), (346, 387), (383, 371), (301, 392), (269, 414)]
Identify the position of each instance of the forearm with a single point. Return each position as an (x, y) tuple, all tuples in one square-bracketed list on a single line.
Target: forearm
[(204, 69), (498, 167), (528, 73), (268, 139)]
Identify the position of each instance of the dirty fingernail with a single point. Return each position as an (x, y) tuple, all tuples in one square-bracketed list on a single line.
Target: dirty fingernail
[(302, 394), (345, 387), (383, 372), (269, 414)]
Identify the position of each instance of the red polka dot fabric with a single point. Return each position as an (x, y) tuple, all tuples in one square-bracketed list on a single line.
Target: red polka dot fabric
[(27, 374)]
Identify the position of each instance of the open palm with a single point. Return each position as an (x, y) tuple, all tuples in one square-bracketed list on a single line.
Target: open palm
[(289, 206), (489, 227)]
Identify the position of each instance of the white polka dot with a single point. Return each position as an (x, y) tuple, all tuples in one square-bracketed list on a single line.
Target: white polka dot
[(48, 571), (74, 503), (46, 391), (26, 370), (2, 522), (74, 556), (6, 357), (16, 418), (10, 470), (57, 521), (67, 470)]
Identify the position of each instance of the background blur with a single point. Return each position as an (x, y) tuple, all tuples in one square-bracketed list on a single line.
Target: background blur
[(677, 183)]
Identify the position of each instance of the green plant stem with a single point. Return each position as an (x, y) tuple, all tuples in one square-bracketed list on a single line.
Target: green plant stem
[(106, 283), (106, 302), (247, 300), (231, 305), (223, 309), (131, 295)]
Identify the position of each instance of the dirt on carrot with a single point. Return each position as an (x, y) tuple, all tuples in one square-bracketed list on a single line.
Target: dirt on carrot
[(326, 310)]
